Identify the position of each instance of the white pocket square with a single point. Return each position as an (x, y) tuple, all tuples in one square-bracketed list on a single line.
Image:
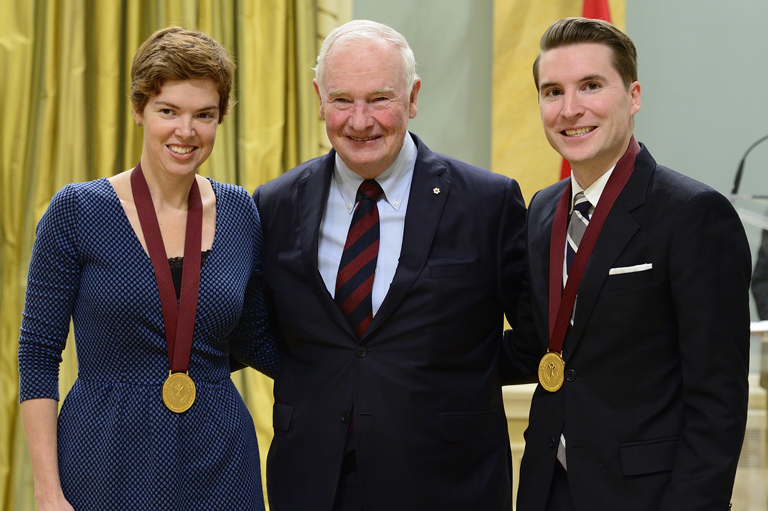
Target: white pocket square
[(630, 269)]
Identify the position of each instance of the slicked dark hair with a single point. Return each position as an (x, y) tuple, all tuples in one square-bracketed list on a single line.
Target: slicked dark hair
[(570, 31)]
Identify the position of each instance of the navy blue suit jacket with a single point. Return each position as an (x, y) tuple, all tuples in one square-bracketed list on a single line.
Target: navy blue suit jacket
[(430, 427), (655, 398)]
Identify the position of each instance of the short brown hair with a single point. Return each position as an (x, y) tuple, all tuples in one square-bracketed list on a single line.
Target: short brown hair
[(570, 31), (174, 53)]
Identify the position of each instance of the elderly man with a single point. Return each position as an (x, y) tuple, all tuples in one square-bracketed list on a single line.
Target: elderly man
[(638, 304), (389, 269)]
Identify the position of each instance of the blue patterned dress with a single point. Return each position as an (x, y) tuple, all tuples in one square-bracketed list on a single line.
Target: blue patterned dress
[(119, 446)]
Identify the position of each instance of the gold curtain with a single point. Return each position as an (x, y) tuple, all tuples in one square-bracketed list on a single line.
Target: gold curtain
[(65, 117), (518, 146)]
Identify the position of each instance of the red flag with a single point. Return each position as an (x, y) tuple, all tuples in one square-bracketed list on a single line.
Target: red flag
[(598, 10)]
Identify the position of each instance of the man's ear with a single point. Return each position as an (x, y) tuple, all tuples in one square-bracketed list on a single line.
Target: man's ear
[(414, 98), (634, 91), (320, 99)]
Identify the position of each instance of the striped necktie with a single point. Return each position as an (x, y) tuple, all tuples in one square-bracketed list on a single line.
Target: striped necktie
[(354, 282), (576, 228)]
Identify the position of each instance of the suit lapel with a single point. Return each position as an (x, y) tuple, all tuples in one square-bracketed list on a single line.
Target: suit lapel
[(619, 229), (540, 243), (429, 191), (312, 194)]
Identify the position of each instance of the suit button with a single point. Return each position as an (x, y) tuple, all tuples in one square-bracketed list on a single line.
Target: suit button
[(361, 351), (552, 442), (345, 417), (570, 374)]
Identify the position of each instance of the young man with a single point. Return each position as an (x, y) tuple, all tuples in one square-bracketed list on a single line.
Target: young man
[(639, 281)]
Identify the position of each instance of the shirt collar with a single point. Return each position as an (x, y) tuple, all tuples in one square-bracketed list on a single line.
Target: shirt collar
[(395, 181), (593, 191)]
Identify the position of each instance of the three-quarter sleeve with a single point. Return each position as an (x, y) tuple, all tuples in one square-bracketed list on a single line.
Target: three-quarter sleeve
[(252, 341), (52, 287)]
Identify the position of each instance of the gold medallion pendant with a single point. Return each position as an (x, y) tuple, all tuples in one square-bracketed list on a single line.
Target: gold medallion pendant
[(179, 392), (552, 371)]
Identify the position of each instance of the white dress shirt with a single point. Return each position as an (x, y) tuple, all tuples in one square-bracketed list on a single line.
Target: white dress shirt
[(592, 193), (340, 206)]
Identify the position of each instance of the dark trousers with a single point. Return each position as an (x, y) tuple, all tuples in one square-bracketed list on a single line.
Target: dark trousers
[(559, 493), (348, 494)]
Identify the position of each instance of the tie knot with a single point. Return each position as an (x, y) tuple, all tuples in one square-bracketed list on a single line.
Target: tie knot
[(369, 189), (581, 204)]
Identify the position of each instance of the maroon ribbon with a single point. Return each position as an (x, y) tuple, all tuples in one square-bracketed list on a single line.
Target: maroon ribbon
[(178, 317), (561, 301)]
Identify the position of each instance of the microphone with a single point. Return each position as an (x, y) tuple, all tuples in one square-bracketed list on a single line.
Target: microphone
[(740, 170)]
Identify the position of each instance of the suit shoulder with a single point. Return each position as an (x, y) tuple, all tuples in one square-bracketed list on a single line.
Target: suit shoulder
[(679, 181), (672, 187), (469, 171), (475, 180), (288, 180), (549, 195)]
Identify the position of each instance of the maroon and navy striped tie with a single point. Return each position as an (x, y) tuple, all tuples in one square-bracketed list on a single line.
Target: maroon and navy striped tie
[(354, 281)]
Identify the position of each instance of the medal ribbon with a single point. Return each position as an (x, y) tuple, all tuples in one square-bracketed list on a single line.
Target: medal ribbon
[(561, 301), (178, 318)]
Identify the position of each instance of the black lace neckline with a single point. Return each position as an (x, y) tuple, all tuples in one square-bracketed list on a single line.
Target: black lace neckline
[(176, 263)]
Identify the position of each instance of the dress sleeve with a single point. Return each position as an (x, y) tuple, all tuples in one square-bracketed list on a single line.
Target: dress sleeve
[(52, 286), (252, 341)]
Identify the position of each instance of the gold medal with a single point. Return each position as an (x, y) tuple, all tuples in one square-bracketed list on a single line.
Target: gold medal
[(179, 392), (551, 371)]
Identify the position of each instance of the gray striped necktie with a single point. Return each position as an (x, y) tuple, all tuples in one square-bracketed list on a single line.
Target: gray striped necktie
[(576, 227)]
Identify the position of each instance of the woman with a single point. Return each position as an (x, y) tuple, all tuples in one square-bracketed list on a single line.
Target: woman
[(152, 422)]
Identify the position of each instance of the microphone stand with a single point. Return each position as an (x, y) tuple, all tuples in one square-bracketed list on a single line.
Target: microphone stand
[(740, 170), (747, 216)]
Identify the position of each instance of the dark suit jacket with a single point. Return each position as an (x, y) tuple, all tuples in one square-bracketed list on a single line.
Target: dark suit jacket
[(655, 398), (429, 422)]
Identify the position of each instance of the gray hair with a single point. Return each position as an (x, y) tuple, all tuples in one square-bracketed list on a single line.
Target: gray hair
[(365, 31)]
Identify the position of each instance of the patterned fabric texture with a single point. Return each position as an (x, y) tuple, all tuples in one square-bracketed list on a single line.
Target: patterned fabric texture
[(119, 446)]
